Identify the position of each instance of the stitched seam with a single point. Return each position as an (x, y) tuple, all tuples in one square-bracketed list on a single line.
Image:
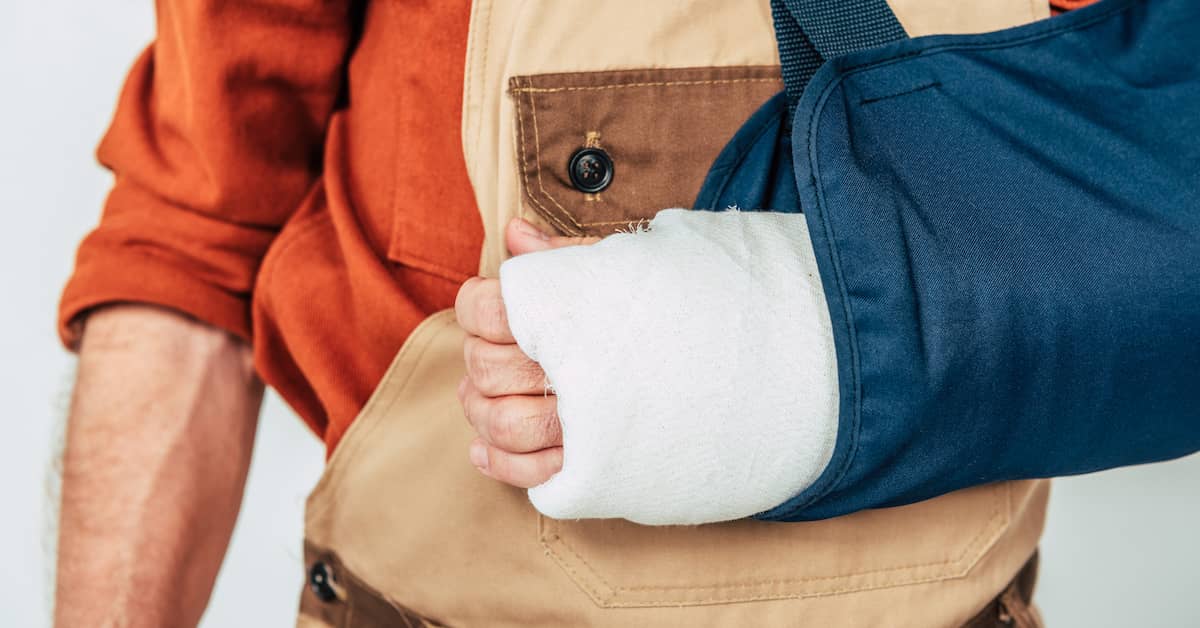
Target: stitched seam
[(518, 89), (394, 162), (487, 39), (774, 596), (627, 221), (591, 139), (537, 147), (579, 579), (563, 540), (433, 267), (524, 154), (469, 84), (523, 149), (990, 527), (580, 88), (987, 528), (894, 582), (867, 101), (855, 378)]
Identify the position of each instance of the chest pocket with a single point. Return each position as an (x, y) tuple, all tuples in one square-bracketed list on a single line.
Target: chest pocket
[(600, 152)]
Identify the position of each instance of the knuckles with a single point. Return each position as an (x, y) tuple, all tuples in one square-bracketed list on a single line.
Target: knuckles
[(502, 392), (465, 296), (479, 307), (480, 366), (515, 423), (501, 369), (519, 426), (491, 315), (502, 429)]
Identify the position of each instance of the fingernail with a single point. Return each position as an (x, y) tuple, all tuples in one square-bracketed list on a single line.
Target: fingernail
[(478, 455), (527, 228)]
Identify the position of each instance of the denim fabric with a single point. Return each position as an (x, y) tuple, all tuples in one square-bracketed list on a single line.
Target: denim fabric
[(1008, 232)]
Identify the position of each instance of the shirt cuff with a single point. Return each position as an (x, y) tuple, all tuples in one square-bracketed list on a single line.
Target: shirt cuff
[(120, 275)]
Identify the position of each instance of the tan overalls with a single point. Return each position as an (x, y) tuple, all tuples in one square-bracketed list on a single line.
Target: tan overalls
[(402, 530)]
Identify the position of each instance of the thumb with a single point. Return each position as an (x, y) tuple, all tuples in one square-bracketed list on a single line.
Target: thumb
[(523, 237)]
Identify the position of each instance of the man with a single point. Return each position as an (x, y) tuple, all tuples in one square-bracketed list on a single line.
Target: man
[(290, 180)]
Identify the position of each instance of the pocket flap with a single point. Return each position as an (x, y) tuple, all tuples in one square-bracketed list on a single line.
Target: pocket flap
[(657, 132)]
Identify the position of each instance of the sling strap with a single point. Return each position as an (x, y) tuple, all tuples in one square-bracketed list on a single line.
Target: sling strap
[(809, 32)]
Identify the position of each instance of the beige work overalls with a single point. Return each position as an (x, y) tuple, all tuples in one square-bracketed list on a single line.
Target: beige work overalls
[(403, 530)]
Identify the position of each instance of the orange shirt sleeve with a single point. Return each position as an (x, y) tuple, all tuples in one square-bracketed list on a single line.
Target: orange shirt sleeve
[(216, 138), (1062, 6)]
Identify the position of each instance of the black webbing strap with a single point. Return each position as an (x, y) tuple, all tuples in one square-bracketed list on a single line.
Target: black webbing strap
[(810, 31)]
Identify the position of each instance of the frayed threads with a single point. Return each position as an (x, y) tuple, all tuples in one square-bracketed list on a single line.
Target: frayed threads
[(635, 227)]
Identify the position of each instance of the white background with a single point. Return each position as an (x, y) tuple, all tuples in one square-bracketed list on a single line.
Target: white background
[(1122, 547)]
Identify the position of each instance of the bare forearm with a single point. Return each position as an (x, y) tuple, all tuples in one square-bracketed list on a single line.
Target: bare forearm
[(158, 444)]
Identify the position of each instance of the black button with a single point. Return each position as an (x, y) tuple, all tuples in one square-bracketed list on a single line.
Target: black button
[(591, 170), (320, 580)]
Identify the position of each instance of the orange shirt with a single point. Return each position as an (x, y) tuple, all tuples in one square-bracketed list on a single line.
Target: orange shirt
[(292, 172)]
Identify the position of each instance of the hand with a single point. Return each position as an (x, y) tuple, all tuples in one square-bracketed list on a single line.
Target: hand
[(693, 362), (505, 395)]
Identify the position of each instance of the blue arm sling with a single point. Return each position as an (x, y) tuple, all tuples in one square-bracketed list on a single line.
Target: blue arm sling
[(1007, 228)]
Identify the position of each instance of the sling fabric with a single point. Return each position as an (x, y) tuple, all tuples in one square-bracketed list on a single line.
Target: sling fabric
[(1008, 230)]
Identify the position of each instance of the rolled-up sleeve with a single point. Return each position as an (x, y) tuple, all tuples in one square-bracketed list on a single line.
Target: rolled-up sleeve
[(216, 138)]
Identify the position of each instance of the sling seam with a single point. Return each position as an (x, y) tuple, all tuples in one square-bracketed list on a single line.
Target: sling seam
[(914, 90)]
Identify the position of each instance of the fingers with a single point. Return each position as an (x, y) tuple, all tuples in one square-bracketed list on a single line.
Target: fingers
[(520, 437), (479, 308), (517, 423), (504, 392), (496, 370), (522, 237), (521, 470)]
